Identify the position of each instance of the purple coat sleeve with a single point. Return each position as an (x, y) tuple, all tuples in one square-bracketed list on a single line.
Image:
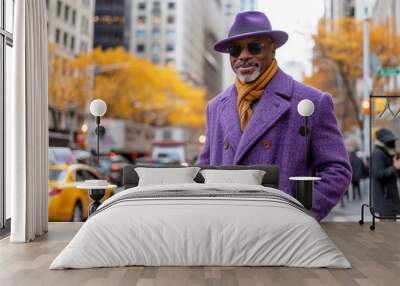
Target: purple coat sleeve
[(205, 154), (329, 159)]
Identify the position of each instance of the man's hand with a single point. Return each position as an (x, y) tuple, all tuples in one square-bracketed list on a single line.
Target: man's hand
[(396, 162)]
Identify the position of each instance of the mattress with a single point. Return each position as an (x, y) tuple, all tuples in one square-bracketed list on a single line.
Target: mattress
[(201, 225)]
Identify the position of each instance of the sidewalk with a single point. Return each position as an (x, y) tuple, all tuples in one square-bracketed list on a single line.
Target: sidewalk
[(351, 212)]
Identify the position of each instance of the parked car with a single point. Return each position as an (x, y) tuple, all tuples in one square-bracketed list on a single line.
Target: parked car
[(149, 161), (66, 201), (61, 155), (112, 166)]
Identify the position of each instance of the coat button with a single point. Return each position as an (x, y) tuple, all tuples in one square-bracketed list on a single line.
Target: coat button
[(226, 145), (266, 144)]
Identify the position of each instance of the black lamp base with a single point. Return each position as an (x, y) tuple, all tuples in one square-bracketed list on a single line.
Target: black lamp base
[(96, 195), (305, 190), (304, 193)]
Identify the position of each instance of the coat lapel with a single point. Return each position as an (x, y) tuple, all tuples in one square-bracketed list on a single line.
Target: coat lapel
[(229, 119), (273, 104)]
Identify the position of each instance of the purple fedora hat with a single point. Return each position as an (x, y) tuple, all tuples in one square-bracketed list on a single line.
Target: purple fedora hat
[(249, 24)]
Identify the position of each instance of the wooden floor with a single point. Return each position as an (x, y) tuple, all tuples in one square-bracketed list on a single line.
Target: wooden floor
[(375, 256)]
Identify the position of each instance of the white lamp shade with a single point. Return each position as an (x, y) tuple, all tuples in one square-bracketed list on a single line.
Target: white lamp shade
[(305, 107), (98, 107)]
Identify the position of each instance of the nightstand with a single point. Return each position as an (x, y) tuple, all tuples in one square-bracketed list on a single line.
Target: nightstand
[(96, 190)]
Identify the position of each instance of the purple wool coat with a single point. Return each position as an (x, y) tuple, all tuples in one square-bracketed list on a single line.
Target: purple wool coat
[(272, 137)]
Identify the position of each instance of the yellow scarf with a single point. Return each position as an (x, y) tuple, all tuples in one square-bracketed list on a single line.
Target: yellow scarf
[(250, 92)]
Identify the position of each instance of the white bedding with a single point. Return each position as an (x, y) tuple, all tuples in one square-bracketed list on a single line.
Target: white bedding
[(183, 231)]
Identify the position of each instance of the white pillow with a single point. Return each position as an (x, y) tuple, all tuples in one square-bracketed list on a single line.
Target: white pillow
[(249, 177), (165, 176)]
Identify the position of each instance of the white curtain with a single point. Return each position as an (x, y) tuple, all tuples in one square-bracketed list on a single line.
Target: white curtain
[(26, 123)]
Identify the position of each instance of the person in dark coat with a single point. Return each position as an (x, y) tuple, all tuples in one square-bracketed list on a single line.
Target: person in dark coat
[(385, 170), (359, 171)]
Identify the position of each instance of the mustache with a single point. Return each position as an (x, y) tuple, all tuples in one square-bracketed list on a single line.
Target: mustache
[(245, 64)]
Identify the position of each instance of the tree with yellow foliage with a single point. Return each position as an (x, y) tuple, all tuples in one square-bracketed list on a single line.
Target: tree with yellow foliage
[(338, 62), (131, 87)]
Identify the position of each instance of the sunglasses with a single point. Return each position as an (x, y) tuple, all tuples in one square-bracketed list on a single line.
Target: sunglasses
[(254, 49)]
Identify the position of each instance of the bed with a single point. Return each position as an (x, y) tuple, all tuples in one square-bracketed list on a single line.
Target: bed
[(201, 224)]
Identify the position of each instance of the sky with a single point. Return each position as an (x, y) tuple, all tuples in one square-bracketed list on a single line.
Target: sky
[(299, 19)]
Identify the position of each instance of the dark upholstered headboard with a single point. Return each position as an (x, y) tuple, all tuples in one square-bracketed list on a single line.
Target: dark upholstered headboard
[(130, 178)]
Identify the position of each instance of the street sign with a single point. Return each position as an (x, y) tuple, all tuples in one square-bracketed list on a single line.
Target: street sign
[(389, 71)]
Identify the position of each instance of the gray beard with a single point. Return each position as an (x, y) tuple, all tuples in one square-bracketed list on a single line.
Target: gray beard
[(249, 77)]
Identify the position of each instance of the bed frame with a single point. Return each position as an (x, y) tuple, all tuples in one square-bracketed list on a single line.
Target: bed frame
[(130, 178)]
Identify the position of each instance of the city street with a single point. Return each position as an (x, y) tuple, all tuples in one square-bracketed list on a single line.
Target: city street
[(351, 211)]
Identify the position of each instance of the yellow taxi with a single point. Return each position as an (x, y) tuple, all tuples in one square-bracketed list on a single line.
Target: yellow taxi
[(66, 201)]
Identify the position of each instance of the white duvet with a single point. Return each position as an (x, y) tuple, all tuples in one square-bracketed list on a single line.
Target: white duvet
[(188, 231)]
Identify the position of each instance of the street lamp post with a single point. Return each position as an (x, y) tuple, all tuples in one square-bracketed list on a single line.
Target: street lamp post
[(366, 79)]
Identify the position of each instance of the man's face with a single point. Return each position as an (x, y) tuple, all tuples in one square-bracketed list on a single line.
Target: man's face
[(250, 57)]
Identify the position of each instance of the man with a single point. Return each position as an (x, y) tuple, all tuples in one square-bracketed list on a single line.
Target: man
[(255, 121), (385, 171)]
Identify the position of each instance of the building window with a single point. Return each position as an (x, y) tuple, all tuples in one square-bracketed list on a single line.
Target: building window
[(171, 5), (73, 17), (72, 43), (156, 8), (83, 47), (170, 33), (140, 33), (58, 36), (141, 19), (170, 61), (140, 48), (156, 19), (66, 13), (59, 6), (65, 39), (156, 49), (142, 6), (170, 48), (156, 32), (171, 19), (167, 134)]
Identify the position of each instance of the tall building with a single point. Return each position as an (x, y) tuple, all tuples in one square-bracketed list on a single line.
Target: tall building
[(335, 9), (340, 8), (179, 33), (111, 23), (70, 30), (70, 25)]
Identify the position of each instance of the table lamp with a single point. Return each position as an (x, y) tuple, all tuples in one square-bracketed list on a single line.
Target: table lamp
[(96, 188), (305, 185), (98, 108)]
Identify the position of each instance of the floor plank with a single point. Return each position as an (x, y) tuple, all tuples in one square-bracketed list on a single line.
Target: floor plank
[(374, 255)]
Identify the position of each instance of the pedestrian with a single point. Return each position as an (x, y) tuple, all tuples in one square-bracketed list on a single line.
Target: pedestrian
[(359, 171), (385, 171), (255, 120)]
